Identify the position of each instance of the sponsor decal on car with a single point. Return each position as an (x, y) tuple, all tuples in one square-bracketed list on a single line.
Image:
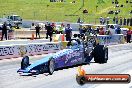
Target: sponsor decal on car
[(72, 55)]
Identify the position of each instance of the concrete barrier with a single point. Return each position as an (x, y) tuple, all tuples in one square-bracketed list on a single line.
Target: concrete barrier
[(23, 33), (25, 41), (10, 35), (17, 50), (59, 37), (111, 39)]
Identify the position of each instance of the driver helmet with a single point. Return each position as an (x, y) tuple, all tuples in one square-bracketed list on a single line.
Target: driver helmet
[(74, 43)]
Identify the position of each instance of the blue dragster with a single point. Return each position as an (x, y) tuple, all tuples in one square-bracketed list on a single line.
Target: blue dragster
[(75, 53)]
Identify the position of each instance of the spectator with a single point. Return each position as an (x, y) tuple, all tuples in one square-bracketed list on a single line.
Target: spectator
[(112, 27), (32, 26), (52, 0), (62, 0), (128, 21), (54, 28), (118, 30), (114, 20), (117, 5), (61, 29), (79, 20), (113, 1), (62, 24), (84, 29), (116, 2), (68, 32), (101, 31), (101, 20), (90, 30), (81, 30), (0, 28), (129, 32), (37, 30), (73, 1), (4, 31), (108, 19), (124, 21), (49, 31), (126, 1), (120, 20), (97, 30), (108, 32), (131, 12), (85, 11), (131, 22), (10, 26)]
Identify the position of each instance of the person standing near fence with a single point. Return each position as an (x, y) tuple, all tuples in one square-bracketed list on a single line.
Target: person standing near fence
[(121, 21), (61, 29), (101, 20), (81, 29), (118, 30), (129, 32), (107, 20), (37, 30), (114, 20), (49, 29), (4, 31), (124, 23), (131, 21), (54, 28), (128, 21), (108, 32), (68, 32), (101, 31)]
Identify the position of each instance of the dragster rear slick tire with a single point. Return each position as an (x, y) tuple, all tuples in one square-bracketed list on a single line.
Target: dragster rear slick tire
[(100, 54)]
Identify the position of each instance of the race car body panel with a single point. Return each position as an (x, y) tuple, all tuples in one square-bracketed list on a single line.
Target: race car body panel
[(63, 58), (37, 63), (67, 57), (36, 66)]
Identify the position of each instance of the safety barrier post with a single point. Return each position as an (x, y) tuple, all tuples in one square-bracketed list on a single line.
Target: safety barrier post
[(32, 38)]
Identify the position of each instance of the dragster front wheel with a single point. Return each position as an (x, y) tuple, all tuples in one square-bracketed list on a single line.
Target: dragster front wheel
[(51, 66), (25, 62)]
